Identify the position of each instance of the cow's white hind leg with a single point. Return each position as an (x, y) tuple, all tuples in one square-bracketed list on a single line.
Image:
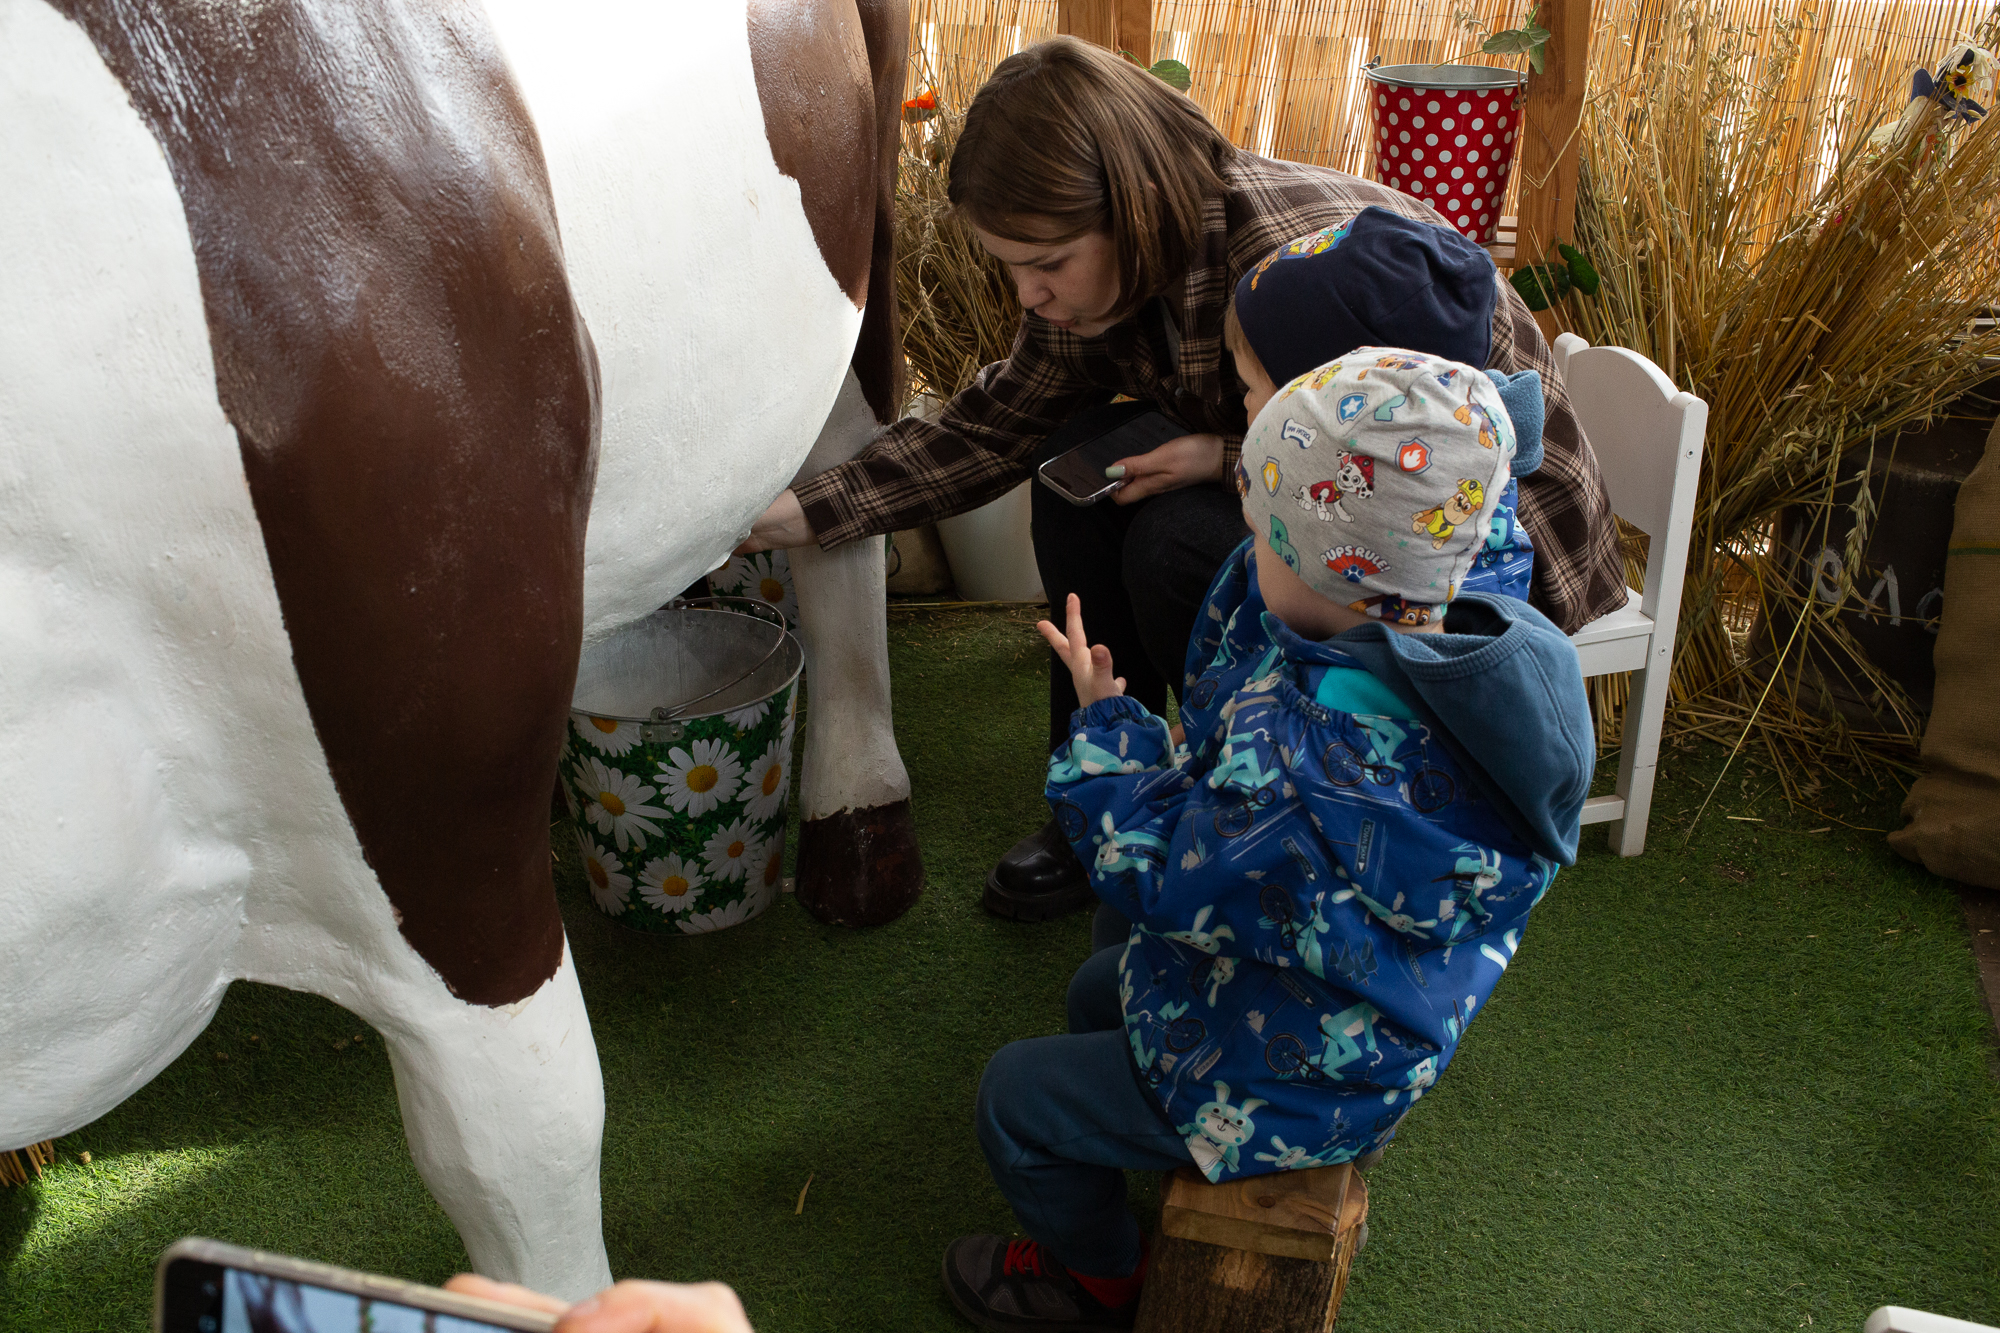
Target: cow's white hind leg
[(858, 863), (517, 1175)]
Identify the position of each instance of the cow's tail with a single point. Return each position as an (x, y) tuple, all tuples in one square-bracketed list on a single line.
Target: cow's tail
[(878, 354)]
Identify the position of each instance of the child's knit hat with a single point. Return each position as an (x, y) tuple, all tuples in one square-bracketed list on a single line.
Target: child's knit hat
[(1375, 477), (1381, 278)]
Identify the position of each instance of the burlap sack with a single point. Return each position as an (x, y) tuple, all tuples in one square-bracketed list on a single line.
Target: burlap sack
[(1954, 808)]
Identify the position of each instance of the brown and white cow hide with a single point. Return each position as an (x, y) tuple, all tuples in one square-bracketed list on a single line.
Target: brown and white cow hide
[(359, 358)]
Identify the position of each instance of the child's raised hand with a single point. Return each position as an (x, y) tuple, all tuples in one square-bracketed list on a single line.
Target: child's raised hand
[(1089, 664)]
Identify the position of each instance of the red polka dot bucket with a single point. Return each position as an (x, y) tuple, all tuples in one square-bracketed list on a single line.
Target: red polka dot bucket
[(1445, 133)]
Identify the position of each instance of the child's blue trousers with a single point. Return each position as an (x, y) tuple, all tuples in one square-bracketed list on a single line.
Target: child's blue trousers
[(1062, 1119)]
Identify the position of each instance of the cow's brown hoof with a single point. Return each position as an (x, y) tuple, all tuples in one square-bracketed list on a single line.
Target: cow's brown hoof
[(861, 867)]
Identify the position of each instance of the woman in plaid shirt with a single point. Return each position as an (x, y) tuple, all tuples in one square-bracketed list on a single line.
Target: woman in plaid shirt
[(1125, 219)]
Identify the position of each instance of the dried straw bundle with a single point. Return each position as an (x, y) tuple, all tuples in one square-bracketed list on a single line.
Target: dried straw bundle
[(15, 1165), (1812, 325), (958, 305)]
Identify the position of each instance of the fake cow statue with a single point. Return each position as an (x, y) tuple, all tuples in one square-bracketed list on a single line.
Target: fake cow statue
[(360, 359)]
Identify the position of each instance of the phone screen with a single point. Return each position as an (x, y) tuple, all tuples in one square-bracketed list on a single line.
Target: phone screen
[(207, 1297), (1094, 440), (1078, 476)]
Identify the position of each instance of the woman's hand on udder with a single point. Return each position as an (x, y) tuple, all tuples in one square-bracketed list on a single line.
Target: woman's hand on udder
[(1189, 460), (782, 526)]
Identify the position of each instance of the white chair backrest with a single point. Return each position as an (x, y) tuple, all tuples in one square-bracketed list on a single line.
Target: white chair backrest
[(1647, 436), (1896, 1319)]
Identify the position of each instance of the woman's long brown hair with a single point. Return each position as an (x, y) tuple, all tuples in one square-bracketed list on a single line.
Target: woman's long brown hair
[(1066, 139)]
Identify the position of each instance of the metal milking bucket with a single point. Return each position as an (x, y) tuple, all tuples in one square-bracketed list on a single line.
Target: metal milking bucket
[(678, 762)]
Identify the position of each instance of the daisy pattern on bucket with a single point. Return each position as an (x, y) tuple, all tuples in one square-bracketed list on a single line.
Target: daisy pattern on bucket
[(748, 716), (615, 803), (729, 914), (791, 724), (701, 777), (670, 884), (608, 735), (765, 576), (771, 856), (730, 850), (609, 884), (764, 789)]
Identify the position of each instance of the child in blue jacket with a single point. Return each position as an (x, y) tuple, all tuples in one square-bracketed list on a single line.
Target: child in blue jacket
[(1381, 774)]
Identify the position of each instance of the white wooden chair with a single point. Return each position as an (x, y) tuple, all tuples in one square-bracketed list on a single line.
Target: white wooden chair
[(1648, 439), (1896, 1319)]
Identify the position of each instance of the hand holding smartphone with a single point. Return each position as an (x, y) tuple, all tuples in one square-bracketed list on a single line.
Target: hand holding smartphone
[(205, 1286), (1091, 441)]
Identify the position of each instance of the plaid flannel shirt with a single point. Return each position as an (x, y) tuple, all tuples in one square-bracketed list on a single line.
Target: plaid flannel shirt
[(985, 441)]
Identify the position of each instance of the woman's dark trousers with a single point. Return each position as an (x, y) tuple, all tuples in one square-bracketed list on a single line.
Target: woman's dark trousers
[(1142, 571)]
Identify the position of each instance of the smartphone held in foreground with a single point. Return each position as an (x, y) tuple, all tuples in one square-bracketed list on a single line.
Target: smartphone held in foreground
[(205, 1286)]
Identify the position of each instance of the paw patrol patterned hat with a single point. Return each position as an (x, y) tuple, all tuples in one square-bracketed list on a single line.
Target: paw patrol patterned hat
[(1375, 478)]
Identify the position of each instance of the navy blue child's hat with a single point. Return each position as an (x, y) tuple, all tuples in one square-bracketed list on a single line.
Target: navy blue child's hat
[(1381, 280)]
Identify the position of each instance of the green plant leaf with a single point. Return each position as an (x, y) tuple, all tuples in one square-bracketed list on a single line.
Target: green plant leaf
[(1582, 273), (1531, 291), (1541, 285), (1513, 41), (1535, 59), (1173, 72)]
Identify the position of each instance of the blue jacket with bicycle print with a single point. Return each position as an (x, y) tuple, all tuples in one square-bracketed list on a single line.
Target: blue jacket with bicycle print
[(1323, 891)]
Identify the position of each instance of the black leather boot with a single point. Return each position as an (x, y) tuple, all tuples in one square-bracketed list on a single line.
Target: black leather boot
[(1038, 879)]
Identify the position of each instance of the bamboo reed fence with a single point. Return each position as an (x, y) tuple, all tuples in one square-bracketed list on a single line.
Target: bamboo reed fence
[(1282, 77)]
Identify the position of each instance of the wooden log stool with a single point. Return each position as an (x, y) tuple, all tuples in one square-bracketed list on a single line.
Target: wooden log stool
[(1269, 1253)]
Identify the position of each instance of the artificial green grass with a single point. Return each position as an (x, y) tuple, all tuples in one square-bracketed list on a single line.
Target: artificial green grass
[(1743, 1083)]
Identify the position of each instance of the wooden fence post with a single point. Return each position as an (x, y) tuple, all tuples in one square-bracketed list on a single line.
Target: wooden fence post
[(1135, 29), (1119, 25), (1551, 141)]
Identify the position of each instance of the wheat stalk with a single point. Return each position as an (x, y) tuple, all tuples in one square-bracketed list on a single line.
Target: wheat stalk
[(1813, 322)]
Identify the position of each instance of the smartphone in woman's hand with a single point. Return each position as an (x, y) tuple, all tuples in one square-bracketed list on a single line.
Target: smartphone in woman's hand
[(1092, 441)]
